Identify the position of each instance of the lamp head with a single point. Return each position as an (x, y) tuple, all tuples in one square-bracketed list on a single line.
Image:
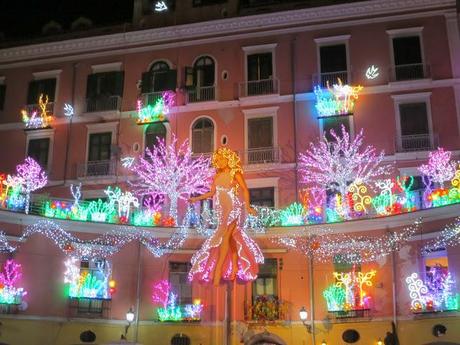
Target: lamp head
[(303, 314), (130, 315)]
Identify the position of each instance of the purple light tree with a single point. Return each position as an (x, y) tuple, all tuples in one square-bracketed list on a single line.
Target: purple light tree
[(30, 176), (336, 164), (172, 173), (440, 167)]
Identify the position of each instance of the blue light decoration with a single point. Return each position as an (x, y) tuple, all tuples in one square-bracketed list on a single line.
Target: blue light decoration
[(338, 100)]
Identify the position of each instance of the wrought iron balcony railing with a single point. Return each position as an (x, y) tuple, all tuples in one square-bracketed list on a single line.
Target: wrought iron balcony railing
[(419, 142), (30, 108), (96, 169), (103, 104), (410, 72), (262, 155), (151, 97), (322, 79), (259, 87), (201, 94)]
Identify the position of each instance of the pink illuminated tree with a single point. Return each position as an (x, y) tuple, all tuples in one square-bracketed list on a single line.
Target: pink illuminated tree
[(171, 172), (160, 292), (31, 177), (440, 167), (335, 164), (12, 272)]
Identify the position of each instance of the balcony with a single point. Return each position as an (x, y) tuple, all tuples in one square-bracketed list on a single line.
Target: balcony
[(201, 94), (321, 79), (266, 309), (89, 307), (103, 104), (30, 108), (262, 155), (410, 72), (419, 142), (258, 87), (151, 97), (94, 169)]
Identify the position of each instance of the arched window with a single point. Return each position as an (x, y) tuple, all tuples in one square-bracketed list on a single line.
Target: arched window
[(154, 132), (159, 66), (180, 339), (204, 68), (203, 136), (162, 78)]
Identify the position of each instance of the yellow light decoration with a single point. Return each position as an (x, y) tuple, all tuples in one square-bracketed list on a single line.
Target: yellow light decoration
[(360, 197), (112, 283), (364, 279), (33, 121), (456, 180)]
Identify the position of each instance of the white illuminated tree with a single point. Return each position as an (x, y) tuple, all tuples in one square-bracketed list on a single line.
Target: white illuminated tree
[(336, 164), (440, 167), (171, 172)]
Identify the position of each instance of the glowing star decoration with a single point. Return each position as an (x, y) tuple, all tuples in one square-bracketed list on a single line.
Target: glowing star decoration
[(440, 167), (29, 176), (372, 72), (127, 162), (123, 200), (92, 282), (35, 121), (335, 101), (157, 112), (68, 110), (171, 172), (160, 6), (9, 292), (334, 165)]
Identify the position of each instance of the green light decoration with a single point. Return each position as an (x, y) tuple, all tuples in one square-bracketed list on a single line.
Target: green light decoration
[(335, 298), (172, 312), (156, 112), (292, 215)]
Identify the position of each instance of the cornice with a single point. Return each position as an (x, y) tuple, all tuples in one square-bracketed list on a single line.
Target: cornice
[(222, 27)]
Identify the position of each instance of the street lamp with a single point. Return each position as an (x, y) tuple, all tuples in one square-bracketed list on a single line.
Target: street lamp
[(303, 314), (130, 318)]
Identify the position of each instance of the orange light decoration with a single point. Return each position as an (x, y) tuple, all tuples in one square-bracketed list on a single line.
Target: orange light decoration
[(35, 121)]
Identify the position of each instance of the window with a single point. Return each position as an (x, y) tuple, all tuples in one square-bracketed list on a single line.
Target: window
[(262, 196), (407, 55), (153, 133), (100, 147), (260, 74), (180, 339), (266, 283), (46, 87), (200, 80), (335, 123), (415, 130), (342, 266), (103, 91), (158, 79), (178, 278), (203, 136), (435, 261), (260, 140), (2, 95), (204, 70), (333, 64), (38, 149)]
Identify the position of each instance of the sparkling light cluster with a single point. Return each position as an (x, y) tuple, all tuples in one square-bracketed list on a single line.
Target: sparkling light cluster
[(172, 173), (157, 112), (448, 237), (9, 292), (440, 167), (338, 100), (35, 121)]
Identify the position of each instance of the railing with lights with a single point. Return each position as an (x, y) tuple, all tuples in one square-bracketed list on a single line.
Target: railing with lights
[(323, 79)]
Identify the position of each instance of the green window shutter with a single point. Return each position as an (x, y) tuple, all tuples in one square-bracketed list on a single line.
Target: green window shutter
[(171, 80), (189, 77), (146, 85), (32, 94), (91, 86)]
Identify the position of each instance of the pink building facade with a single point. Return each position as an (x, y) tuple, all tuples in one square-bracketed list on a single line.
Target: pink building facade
[(246, 82)]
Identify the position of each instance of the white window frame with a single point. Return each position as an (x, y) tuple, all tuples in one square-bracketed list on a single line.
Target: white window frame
[(406, 32), (42, 134), (49, 75), (260, 113), (168, 135), (420, 97), (332, 41), (213, 123), (258, 49), (215, 68), (95, 128), (266, 182)]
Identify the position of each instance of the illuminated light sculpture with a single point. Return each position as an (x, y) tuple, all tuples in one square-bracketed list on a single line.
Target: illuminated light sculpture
[(171, 172), (405, 184), (68, 110), (160, 6), (385, 199), (364, 279), (334, 165), (123, 200), (294, 214), (360, 197), (313, 200), (157, 112), (335, 298), (29, 176), (88, 282), (437, 293), (170, 310), (440, 167), (267, 308), (127, 162), (336, 101), (372, 72), (35, 120), (9, 292)]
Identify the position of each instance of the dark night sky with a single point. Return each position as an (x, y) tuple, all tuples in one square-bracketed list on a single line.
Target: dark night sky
[(21, 19)]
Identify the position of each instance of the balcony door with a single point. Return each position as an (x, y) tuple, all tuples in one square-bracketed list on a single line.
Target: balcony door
[(203, 136), (260, 73), (260, 140), (333, 64), (408, 59), (415, 128), (99, 154)]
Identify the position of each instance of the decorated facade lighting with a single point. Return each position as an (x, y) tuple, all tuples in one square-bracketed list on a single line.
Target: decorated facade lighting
[(440, 167), (68, 110), (39, 118), (338, 100), (10, 293), (448, 237), (160, 6), (157, 112), (372, 72)]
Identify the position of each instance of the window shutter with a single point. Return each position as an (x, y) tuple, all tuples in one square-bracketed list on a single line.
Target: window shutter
[(91, 86), (146, 86), (208, 140), (119, 78), (32, 94), (171, 80), (196, 141), (189, 77), (2, 96)]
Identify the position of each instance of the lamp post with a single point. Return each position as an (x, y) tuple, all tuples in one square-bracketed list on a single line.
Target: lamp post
[(303, 314), (130, 318)]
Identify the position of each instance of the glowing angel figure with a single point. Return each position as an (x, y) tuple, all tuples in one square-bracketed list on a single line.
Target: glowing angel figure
[(440, 167), (229, 253)]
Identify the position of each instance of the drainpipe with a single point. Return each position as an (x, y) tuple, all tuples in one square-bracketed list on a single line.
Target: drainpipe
[(312, 300), (69, 131), (138, 290), (294, 110)]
